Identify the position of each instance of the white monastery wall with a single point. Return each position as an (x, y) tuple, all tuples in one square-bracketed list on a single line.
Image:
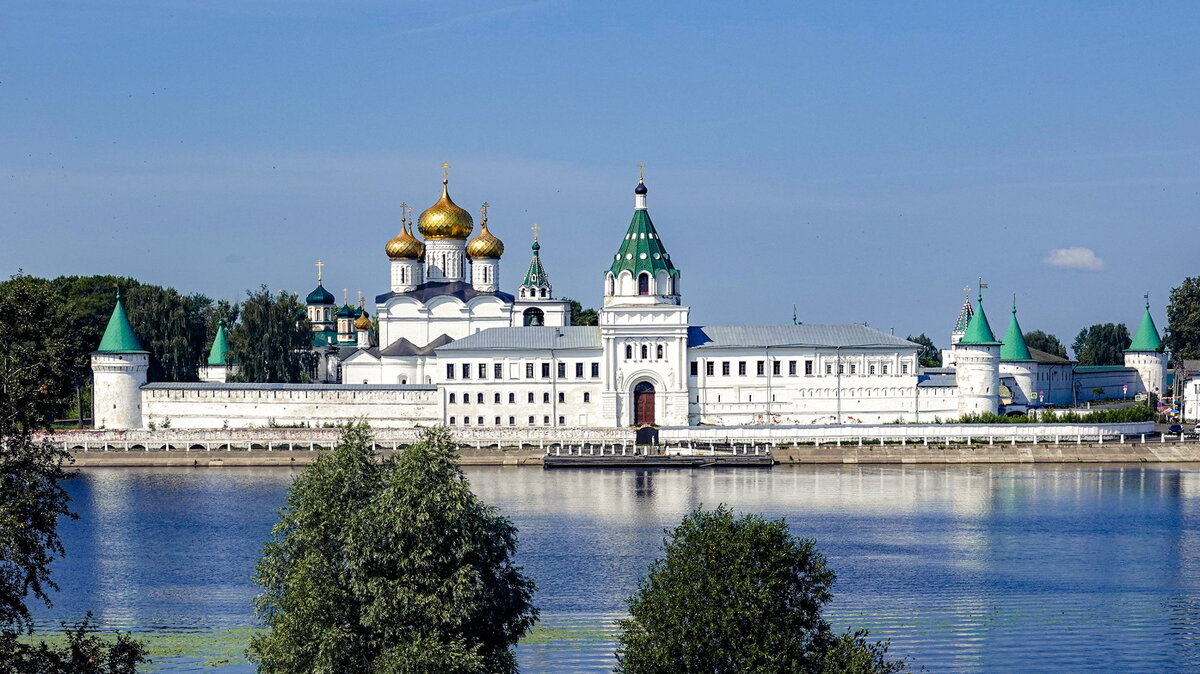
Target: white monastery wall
[(383, 407)]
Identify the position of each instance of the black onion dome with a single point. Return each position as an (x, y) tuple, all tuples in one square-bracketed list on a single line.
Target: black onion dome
[(641, 188)]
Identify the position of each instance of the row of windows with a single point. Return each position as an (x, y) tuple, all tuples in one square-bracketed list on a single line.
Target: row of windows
[(760, 368), (645, 351), (512, 421), (497, 370), (512, 398)]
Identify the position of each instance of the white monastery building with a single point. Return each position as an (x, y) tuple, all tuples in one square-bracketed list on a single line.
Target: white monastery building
[(453, 348)]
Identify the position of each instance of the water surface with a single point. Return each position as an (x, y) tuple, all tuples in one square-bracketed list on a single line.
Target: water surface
[(965, 568)]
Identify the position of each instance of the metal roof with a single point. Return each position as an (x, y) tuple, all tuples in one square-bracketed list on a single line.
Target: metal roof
[(937, 380), (851, 335), (459, 289), (218, 386), (529, 338)]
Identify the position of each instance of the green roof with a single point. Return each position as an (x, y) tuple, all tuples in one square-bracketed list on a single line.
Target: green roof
[(347, 310), (536, 274), (978, 329), (1147, 338), (1014, 348), (219, 353), (119, 336), (964, 317), (642, 250), (320, 295)]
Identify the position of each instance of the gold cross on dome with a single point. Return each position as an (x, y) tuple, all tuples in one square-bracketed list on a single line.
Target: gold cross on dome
[(362, 299), (403, 212), (483, 209), (319, 266), (445, 170), (536, 228), (641, 171), (967, 289)]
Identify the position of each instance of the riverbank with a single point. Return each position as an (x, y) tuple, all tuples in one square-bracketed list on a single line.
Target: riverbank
[(1110, 452)]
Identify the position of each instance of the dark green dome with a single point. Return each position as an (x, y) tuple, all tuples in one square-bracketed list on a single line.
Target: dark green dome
[(321, 296), (347, 311)]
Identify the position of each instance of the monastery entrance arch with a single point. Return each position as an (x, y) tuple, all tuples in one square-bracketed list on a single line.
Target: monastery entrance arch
[(643, 404)]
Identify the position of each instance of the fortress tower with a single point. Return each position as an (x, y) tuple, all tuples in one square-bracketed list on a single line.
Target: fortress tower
[(977, 365), (119, 368), (1018, 363), (1146, 355)]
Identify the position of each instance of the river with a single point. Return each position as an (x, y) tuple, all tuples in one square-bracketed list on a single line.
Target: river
[(964, 568)]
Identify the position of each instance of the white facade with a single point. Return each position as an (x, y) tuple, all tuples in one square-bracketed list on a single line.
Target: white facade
[(116, 393)]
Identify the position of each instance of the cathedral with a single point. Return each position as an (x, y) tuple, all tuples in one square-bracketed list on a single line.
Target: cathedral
[(449, 346)]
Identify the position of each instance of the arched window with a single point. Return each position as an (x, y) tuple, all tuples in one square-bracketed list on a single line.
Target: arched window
[(645, 352), (643, 284), (659, 352), (611, 285), (485, 274), (534, 317), (543, 292), (628, 352)]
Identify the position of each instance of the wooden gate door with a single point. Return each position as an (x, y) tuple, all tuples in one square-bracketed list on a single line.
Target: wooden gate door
[(643, 404)]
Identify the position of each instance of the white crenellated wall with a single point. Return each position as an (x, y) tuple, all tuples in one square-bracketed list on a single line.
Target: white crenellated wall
[(117, 381)]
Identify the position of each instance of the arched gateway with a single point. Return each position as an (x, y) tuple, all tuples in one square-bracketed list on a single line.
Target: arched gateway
[(643, 404)]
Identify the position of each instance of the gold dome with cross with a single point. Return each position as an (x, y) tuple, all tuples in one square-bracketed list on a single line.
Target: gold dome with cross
[(445, 219)]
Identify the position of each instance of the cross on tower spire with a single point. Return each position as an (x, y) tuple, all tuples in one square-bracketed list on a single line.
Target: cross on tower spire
[(536, 228), (319, 266), (641, 171), (445, 171)]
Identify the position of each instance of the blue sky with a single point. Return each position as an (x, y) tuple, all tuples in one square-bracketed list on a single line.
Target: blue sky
[(863, 161)]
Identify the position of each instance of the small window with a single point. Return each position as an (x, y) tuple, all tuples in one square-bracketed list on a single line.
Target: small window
[(761, 368), (792, 368), (451, 398), (466, 421), (903, 368), (741, 368), (451, 421), (546, 420), (595, 370), (512, 398), (529, 370), (496, 399), (466, 400), (658, 351), (483, 370), (587, 397), (628, 352), (808, 366), (512, 421), (562, 397), (841, 369), (479, 400), (466, 370), (546, 397), (694, 368), (480, 420), (497, 421), (579, 370), (645, 352), (853, 368), (885, 368), (725, 368), (530, 398), (449, 371), (775, 365), (708, 367), (870, 368), (531, 420), (643, 284), (562, 370), (562, 421), (545, 370), (498, 371)]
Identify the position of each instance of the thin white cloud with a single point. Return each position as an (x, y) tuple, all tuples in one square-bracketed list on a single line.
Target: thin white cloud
[(1083, 259)]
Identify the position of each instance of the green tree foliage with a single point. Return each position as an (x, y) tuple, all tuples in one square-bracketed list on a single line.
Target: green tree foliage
[(37, 356), (172, 328), (392, 566), (1183, 319), (1042, 341), (83, 653), (739, 595), (272, 341), (1102, 344), (929, 355), (1113, 416), (581, 316)]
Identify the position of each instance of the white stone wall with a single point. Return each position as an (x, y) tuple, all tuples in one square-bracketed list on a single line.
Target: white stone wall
[(407, 275), (1111, 381), (1151, 368), (445, 260), (116, 398), (485, 274), (240, 407), (977, 371), (1024, 378), (421, 322)]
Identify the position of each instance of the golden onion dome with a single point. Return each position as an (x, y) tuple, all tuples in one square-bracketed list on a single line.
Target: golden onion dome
[(485, 244), (445, 220), (363, 322), (405, 246)]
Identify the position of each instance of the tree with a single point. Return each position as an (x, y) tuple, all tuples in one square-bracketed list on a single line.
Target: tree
[(929, 355), (1102, 344), (581, 316), (392, 566), (1183, 320), (172, 327), (739, 595), (37, 356), (1042, 341), (272, 341)]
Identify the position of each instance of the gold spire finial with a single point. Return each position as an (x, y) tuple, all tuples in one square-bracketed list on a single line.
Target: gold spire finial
[(445, 172), (362, 299), (536, 228), (641, 171), (319, 266), (483, 213), (403, 215)]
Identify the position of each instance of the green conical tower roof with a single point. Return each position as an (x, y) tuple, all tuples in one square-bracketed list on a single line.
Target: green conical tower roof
[(642, 250), (1147, 338), (1014, 349), (979, 331), (219, 353), (119, 336), (536, 274)]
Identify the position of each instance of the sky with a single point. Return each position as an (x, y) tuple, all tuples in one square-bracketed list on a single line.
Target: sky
[(864, 162)]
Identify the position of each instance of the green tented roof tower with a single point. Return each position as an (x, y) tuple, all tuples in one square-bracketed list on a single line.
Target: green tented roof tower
[(536, 275), (219, 353), (119, 336), (1147, 338), (642, 250), (979, 331), (1014, 348)]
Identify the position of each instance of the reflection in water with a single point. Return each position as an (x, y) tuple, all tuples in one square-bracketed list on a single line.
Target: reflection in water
[(1059, 567)]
